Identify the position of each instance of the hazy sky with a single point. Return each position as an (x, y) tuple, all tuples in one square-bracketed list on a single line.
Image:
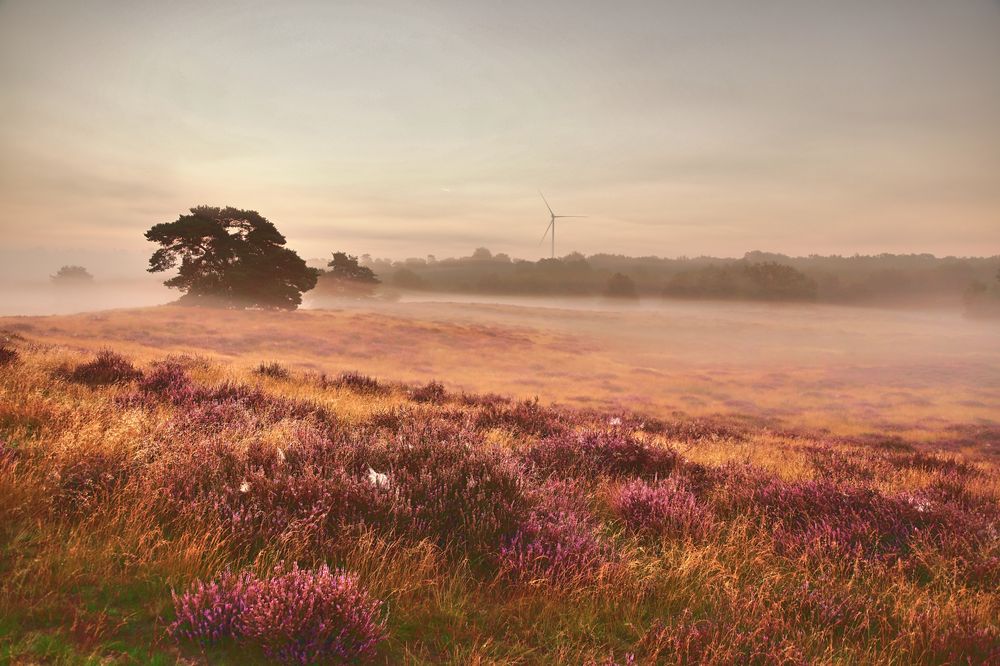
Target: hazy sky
[(406, 128)]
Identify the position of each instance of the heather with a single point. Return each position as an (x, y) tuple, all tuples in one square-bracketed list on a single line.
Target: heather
[(167, 509)]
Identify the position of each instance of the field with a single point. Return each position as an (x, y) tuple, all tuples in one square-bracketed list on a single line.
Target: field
[(734, 484)]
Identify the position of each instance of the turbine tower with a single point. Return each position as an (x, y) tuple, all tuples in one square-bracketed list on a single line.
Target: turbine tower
[(552, 224)]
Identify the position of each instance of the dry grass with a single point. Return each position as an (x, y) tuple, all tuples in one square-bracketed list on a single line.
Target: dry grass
[(88, 555)]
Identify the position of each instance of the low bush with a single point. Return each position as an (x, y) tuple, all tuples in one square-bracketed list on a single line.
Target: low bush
[(107, 368)]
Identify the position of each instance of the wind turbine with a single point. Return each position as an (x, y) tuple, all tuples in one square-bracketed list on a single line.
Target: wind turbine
[(552, 224)]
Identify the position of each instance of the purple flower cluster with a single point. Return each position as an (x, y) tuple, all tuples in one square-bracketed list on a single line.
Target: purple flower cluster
[(594, 452), (359, 383), (294, 615), (663, 508), (449, 485), (558, 542), (213, 611), (432, 392), (107, 368), (527, 417), (299, 616), (227, 403), (259, 492)]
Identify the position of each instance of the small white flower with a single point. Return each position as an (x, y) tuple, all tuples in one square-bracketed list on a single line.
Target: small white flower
[(615, 421), (245, 487), (377, 479), (281, 455)]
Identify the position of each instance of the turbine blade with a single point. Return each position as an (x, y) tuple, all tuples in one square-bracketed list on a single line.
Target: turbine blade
[(545, 234), (546, 202)]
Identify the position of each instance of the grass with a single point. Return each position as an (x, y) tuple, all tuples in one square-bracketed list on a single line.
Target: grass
[(488, 530)]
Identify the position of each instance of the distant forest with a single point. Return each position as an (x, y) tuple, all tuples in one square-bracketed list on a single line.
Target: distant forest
[(877, 279)]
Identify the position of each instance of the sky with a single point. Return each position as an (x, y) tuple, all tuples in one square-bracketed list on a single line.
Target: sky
[(401, 129)]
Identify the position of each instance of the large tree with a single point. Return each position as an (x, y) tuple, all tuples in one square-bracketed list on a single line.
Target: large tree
[(231, 258)]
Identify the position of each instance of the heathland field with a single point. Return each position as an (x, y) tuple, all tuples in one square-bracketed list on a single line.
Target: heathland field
[(694, 484)]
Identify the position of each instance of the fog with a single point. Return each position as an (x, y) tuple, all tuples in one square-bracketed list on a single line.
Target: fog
[(46, 298)]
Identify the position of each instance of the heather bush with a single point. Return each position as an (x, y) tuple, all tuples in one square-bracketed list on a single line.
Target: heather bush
[(523, 416), (8, 356), (168, 380), (558, 542), (274, 370), (359, 383), (258, 492), (107, 368), (663, 508), (590, 453), (432, 392), (294, 615), (451, 486), (299, 616), (214, 611)]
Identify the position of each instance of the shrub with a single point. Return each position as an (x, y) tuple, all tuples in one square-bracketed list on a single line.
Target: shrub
[(107, 368), (169, 380), (214, 611), (432, 392), (452, 487), (616, 452), (274, 370), (8, 355), (359, 383), (524, 416), (294, 615), (305, 617), (665, 508), (258, 492), (557, 543)]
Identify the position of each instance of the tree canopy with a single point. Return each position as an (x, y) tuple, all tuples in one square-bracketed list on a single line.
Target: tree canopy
[(347, 277), (73, 275), (230, 257)]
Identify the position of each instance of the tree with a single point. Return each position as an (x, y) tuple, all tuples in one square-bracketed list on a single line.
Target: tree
[(75, 275), (347, 277), (405, 278), (620, 286), (231, 258)]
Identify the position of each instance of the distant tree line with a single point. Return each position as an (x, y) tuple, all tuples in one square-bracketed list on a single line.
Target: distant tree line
[(228, 257), (860, 279)]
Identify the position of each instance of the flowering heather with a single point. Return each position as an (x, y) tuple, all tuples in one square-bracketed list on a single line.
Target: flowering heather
[(527, 417), (295, 616), (558, 542), (452, 487), (432, 392), (663, 508), (213, 611), (502, 531), (299, 616), (258, 492), (8, 355), (107, 368), (590, 453), (359, 383), (169, 381)]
